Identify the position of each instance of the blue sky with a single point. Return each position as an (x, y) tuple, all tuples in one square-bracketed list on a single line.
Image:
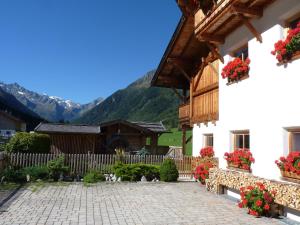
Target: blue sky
[(82, 49)]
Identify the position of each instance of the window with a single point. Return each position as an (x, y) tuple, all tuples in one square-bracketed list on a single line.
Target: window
[(294, 140), (241, 140), (208, 140), (241, 53)]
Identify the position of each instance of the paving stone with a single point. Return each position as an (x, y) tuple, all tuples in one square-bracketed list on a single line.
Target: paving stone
[(182, 203)]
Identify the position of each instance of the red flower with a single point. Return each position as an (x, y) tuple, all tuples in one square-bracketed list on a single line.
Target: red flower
[(235, 69), (240, 205), (258, 203), (266, 207), (207, 152)]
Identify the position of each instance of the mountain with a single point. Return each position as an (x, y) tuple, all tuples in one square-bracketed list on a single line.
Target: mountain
[(51, 108), (137, 102), (11, 105)]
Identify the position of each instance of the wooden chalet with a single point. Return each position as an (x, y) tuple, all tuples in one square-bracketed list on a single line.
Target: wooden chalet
[(190, 64), (105, 138)]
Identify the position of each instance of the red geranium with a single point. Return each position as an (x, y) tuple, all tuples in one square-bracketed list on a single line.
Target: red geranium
[(207, 152), (242, 158), (291, 163), (257, 199), (284, 49), (201, 172), (235, 69)]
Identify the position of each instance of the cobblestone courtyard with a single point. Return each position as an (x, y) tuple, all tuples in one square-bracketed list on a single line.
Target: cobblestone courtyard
[(125, 203)]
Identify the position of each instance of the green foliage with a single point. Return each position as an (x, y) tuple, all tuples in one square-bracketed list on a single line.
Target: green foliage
[(294, 45), (57, 167), (134, 172), (13, 174), (174, 138), (37, 172), (168, 171), (2, 147), (137, 102), (93, 176), (29, 143)]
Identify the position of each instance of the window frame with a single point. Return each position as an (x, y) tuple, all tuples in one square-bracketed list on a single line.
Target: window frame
[(234, 139), (291, 132), (205, 140)]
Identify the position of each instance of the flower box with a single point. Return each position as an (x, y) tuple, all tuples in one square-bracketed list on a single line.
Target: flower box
[(237, 168), (239, 159), (288, 49), (236, 70), (290, 175)]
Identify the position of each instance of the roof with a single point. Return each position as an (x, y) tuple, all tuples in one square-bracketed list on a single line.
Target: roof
[(185, 47), (142, 126), (10, 116), (67, 128)]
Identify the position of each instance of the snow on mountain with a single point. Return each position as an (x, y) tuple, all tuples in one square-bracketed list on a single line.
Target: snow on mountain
[(52, 108)]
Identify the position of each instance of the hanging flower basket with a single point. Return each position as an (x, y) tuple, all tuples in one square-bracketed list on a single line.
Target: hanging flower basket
[(290, 166), (236, 69), (286, 50), (240, 159)]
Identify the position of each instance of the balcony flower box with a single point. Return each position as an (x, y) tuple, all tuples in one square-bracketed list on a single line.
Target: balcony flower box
[(290, 166), (288, 49), (207, 152), (235, 70), (239, 159)]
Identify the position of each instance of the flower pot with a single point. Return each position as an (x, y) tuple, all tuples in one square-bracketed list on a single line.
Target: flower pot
[(290, 175), (237, 168)]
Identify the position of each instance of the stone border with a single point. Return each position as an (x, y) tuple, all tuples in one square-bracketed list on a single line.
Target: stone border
[(288, 194)]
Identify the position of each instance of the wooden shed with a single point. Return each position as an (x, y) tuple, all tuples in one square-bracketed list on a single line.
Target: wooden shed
[(72, 139), (105, 138)]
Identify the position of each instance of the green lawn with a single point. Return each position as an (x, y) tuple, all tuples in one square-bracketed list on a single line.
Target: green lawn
[(174, 139)]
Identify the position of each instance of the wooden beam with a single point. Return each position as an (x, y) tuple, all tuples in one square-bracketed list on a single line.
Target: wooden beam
[(250, 27), (178, 95), (178, 63), (206, 89), (213, 68), (246, 11), (200, 74), (214, 51), (217, 39)]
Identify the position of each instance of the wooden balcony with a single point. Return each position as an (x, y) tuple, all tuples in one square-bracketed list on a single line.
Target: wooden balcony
[(184, 114)]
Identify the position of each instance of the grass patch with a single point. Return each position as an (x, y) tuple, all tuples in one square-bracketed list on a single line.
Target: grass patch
[(174, 139), (8, 186)]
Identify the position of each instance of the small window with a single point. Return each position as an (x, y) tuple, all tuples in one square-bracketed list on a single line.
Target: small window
[(241, 140), (294, 142), (241, 53), (208, 140)]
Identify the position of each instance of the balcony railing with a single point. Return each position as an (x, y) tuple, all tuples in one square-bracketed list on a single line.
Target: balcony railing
[(184, 114)]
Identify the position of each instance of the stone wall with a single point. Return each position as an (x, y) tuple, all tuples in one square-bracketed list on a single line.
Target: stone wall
[(288, 194)]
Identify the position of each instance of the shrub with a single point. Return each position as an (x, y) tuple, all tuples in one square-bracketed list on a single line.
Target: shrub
[(13, 174), (93, 176), (56, 167), (168, 171), (134, 172), (240, 158), (257, 199), (36, 172), (207, 152), (201, 172), (29, 143)]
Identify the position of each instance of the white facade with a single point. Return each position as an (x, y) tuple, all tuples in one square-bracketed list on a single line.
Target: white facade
[(266, 103)]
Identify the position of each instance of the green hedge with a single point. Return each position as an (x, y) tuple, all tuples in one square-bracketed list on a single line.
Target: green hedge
[(93, 176), (134, 172), (29, 143)]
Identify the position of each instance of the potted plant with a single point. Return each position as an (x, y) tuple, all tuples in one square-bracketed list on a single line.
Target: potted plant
[(284, 50), (257, 199), (236, 69), (290, 166), (201, 172), (207, 152), (239, 158)]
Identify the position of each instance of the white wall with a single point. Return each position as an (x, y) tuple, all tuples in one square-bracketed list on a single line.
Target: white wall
[(266, 102)]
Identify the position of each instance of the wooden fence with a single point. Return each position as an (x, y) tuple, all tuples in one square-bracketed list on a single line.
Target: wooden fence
[(81, 163)]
